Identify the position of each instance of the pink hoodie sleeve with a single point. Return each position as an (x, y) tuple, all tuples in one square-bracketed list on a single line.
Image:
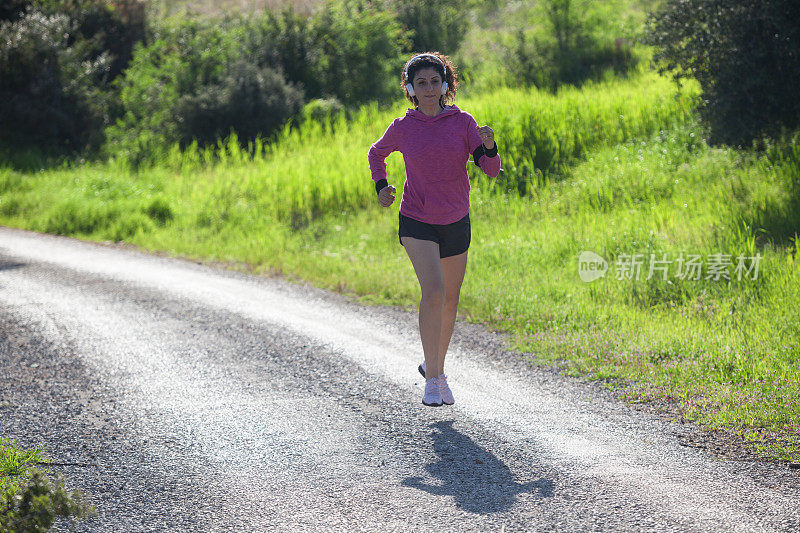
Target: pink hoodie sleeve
[(379, 150), (489, 165)]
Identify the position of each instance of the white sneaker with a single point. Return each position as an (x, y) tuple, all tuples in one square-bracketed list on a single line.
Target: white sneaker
[(444, 390), (432, 396)]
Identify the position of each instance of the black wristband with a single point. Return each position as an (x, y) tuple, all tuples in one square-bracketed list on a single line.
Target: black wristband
[(477, 153), (482, 150), (380, 184)]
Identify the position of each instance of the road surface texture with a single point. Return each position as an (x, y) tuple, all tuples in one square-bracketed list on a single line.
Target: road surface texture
[(183, 397)]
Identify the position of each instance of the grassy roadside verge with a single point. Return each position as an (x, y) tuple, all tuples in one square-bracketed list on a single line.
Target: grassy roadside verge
[(626, 173), (29, 499)]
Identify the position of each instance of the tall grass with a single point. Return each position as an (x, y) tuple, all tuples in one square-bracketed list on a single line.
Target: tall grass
[(320, 167)]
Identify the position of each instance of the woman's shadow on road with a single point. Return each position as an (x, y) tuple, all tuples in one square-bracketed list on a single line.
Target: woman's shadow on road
[(479, 481)]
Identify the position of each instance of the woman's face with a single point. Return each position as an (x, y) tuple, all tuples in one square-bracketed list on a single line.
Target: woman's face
[(427, 84)]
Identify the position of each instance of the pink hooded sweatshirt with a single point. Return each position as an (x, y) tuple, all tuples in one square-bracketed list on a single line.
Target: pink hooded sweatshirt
[(435, 151)]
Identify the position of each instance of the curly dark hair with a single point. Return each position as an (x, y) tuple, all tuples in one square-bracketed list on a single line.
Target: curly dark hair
[(426, 62)]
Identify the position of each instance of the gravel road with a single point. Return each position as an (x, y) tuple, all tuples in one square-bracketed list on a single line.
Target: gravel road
[(183, 397)]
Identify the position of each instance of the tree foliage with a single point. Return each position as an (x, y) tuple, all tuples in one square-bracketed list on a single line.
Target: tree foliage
[(199, 79), (746, 56), (57, 60), (438, 25), (566, 48)]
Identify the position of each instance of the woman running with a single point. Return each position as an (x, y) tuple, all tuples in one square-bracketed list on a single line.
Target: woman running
[(436, 141)]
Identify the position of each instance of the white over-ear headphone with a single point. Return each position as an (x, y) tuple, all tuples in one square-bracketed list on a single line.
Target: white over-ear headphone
[(410, 86)]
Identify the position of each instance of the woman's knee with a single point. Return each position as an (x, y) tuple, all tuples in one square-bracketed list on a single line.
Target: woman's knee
[(433, 294), (451, 300), (432, 285)]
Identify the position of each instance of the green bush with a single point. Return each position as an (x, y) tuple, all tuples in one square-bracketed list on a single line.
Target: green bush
[(195, 82), (42, 93), (57, 60), (284, 41), (323, 111), (567, 48), (104, 27), (200, 79), (38, 502), (357, 49), (331, 52), (248, 99), (744, 54), (182, 58), (432, 24)]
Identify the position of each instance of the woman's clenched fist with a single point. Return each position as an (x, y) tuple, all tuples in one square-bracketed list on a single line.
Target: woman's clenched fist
[(386, 196), (487, 136)]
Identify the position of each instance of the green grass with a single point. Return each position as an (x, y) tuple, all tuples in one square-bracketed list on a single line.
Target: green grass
[(617, 167), (310, 171), (29, 499), (14, 463)]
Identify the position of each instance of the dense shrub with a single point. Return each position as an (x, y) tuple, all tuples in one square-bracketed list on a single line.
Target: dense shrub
[(566, 48), (45, 86), (200, 79), (195, 80), (343, 50), (357, 51), (183, 56), (746, 56), (39, 501), (105, 27), (433, 24), (12, 9), (548, 66), (284, 40), (248, 99), (56, 62)]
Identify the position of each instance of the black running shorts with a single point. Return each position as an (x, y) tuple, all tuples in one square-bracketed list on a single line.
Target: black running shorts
[(453, 238)]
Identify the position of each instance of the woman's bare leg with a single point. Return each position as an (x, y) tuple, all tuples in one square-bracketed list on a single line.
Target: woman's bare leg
[(453, 269), (427, 264)]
